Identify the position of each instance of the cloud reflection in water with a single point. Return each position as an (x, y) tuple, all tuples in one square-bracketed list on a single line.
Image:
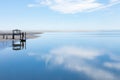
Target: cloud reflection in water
[(77, 59)]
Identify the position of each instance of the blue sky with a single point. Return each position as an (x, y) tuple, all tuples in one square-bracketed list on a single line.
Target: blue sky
[(60, 14)]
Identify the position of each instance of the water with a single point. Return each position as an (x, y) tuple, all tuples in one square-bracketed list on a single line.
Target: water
[(62, 56)]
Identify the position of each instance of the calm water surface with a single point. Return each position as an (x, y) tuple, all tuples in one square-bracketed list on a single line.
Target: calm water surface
[(62, 56)]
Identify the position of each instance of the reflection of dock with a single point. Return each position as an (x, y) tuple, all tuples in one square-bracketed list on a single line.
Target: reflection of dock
[(14, 44), (19, 45)]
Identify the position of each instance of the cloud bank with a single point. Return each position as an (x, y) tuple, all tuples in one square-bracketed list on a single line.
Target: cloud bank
[(74, 6)]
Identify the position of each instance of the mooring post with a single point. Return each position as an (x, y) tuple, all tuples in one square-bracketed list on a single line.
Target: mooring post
[(3, 36), (13, 34)]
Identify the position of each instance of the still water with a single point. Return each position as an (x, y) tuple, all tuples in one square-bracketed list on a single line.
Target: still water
[(62, 56)]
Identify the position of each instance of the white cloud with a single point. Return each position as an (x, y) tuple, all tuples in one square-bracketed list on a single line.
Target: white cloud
[(114, 1), (115, 65), (111, 3), (32, 5), (74, 6)]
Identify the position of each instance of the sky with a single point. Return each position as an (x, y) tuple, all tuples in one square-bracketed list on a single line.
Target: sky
[(60, 14)]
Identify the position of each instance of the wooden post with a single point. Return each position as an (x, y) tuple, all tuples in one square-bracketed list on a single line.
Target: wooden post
[(3, 36), (13, 34)]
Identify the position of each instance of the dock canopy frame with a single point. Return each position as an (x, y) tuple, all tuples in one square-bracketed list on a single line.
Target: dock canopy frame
[(16, 32)]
